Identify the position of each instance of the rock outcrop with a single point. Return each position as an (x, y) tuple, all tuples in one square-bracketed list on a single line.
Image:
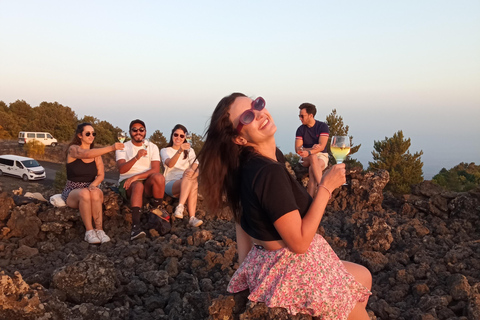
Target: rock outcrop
[(423, 251)]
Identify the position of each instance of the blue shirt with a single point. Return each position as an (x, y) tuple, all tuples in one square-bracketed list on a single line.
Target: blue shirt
[(311, 136)]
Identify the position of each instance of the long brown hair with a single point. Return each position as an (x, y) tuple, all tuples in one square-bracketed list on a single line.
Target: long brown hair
[(76, 140), (220, 160)]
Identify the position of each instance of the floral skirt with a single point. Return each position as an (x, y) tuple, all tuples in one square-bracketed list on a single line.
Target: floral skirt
[(314, 283), (70, 185)]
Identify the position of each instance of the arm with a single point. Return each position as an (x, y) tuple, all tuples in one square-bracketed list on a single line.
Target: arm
[(100, 173), (322, 144), (170, 162), (78, 153), (125, 166), (155, 168), (298, 233), (244, 243)]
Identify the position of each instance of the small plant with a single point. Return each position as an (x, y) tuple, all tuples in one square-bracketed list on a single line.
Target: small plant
[(34, 148), (60, 179)]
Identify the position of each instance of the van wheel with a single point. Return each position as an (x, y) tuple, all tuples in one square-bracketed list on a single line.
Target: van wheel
[(1, 172), (53, 144), (25, 177)]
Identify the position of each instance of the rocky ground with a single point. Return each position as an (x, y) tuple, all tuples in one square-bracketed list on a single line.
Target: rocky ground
[(423, 250)]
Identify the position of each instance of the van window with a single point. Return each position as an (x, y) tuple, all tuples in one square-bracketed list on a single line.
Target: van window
[(49, 136), (31, 135), (41, 135), (18, 164), (6, 162), (30, 163), (21, 135)]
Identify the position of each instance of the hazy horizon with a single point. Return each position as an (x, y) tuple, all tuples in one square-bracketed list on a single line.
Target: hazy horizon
[(384, 66)]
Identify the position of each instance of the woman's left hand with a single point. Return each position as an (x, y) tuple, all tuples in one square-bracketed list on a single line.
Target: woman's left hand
[(189, 173)]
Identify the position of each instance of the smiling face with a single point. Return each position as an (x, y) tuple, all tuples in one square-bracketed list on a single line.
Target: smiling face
[(261, 129), (177, 137), (87, 137), (137, 134)]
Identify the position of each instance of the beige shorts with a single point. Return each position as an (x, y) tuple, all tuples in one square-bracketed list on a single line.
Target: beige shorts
[(322, 156)]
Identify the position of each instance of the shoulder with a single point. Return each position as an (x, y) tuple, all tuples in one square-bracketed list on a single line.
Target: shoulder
[(301, 130), (321, 125)]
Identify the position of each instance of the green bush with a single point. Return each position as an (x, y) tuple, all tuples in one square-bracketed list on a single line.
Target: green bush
[(34, 148)]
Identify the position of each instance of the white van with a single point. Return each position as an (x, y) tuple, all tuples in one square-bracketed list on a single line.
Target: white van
[(44, 137), (22, 167)]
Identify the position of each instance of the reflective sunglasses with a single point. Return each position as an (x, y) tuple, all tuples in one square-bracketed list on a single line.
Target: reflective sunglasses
[(92, 133), (248, 115), (301, 116), (141, 129), (176, 135)]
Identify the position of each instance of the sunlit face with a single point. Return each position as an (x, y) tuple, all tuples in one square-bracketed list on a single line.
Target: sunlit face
[(137, 134), (87, 135), (304, 116), (261, 128), (178, 137)]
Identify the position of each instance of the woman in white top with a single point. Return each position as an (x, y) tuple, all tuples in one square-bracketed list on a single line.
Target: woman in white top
[(181, 173)]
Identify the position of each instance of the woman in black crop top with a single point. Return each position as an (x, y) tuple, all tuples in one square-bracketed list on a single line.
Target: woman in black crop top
[(284, 262), (84, 174)]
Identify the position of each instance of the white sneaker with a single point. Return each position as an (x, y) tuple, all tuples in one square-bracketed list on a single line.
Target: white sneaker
[(194, 222), (91, 237), (102, 236), (179, 211)]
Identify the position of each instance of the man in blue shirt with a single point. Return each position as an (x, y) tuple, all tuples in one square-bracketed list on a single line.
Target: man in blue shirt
[(310, 143)]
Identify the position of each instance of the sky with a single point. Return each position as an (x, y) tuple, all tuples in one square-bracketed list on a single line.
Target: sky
[(384, 66)]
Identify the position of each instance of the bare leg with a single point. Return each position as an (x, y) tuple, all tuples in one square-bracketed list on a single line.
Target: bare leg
[(192, 198), (358, 313), (361, 274), (96, 196), (317, 166), (135, 193), (155, 186), (80, 198)]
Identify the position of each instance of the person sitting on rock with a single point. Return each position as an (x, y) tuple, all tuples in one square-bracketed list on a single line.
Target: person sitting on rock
[(181, 174), (283, 261), (85, 172), (139, 166)]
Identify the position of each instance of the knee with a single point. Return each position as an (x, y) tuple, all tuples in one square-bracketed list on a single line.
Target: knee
[(137, 187), (158, 179), (96, 195), (84, 195)]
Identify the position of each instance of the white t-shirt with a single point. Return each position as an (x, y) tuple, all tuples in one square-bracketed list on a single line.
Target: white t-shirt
[(182, 164), (143, 164)]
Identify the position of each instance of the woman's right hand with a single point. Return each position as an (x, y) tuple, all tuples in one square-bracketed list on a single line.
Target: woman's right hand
[(118, 146), (334, 177), (185, 146)]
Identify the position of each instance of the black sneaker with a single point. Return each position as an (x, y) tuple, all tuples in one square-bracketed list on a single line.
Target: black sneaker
[(137, 233), (161, 212)]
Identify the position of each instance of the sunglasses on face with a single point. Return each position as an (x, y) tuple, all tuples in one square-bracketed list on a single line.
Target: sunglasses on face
[(301, 116), (87, 134), (141, 129), (248, 115), (176, 135)]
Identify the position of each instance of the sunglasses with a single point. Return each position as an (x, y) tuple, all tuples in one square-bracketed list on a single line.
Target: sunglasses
[(141, 129), (248, 115), (177, 135), (301, 116), (92, 133)]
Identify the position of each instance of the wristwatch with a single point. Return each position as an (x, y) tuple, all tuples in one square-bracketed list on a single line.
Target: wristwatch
[(309, 152)]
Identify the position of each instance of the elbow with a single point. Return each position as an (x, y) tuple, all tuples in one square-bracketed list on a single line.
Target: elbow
[(299, 248)]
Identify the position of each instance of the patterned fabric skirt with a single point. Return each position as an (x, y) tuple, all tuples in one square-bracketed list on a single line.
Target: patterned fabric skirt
[(314, 283), (72, 186)]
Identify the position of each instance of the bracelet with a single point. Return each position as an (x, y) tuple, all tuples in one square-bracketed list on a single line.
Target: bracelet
[(329, 192), (179, 151)]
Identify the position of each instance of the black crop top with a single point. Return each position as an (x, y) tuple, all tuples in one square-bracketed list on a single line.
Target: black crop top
[(267, 192), (79, 171)]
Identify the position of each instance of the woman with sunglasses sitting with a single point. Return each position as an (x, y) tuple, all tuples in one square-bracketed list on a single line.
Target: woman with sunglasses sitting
[(283, 261), (181, 174), (84, 174)]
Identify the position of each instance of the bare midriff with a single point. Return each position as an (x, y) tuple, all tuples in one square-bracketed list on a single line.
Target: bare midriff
[(270, 245)]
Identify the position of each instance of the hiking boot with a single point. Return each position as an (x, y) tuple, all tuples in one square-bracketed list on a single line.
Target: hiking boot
[(195, 222), (137, 233), (102, 236), (179, 211), (161, 212), (91, 237)]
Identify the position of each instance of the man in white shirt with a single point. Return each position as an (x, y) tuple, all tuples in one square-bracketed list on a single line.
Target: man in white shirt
[(139, 166)]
